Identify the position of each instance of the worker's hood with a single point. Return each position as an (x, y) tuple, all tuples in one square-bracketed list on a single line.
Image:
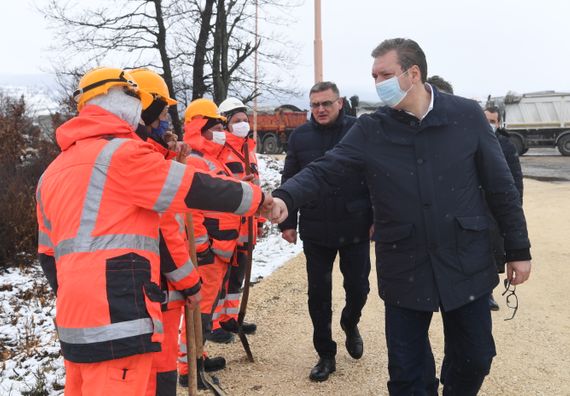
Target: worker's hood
[(193, 137), (92, 121)]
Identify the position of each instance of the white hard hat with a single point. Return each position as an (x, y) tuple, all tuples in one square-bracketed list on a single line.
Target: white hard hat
[(230, 106)]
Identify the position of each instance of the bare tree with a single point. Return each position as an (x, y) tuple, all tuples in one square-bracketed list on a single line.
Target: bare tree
[(210, 40)]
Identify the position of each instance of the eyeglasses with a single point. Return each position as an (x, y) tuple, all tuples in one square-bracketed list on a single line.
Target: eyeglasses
[(512, 299), (326, 104)]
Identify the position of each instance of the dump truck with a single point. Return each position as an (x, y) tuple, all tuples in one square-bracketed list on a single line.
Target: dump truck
[(274, 127), (538, 119)]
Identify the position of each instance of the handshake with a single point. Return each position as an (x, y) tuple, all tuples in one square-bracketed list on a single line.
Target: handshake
[(273, 209)]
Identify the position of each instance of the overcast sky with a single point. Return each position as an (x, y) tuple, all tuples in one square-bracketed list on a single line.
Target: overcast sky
[(482, 47)]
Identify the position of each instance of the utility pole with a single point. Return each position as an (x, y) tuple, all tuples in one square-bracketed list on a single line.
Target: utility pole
[(318, 44)]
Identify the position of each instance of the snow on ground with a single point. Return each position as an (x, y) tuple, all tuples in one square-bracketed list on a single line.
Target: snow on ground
[(29, 352)]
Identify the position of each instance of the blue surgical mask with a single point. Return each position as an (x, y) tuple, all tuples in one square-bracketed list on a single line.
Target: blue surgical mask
[(163, 126), (389, 91)]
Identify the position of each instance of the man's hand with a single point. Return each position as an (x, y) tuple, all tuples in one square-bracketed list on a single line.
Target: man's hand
[(279, 211), (265, 209), (248, 178), (194, 300), (182, 150), (518, 271), (289, 235)]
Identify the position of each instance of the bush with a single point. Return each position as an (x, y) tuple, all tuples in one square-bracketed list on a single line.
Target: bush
[(25, 155)]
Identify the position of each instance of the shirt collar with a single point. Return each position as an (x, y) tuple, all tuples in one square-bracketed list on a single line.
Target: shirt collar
[(430, 107)]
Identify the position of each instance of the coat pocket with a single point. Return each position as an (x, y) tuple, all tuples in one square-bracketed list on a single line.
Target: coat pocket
[(473, 243), (395, 250), (126, 276)]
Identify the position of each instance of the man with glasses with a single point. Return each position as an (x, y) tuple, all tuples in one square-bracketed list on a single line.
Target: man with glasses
[(427, 157), (337, 223)]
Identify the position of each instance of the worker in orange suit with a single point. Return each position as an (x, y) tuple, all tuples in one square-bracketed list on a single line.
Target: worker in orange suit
[(215, 233), (178, 277), (98, 206), (234, 157)]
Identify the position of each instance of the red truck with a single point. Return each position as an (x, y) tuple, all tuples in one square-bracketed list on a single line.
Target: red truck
[(274, 128)]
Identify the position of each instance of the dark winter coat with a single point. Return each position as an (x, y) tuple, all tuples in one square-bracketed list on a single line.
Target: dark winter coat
[(344, 214), (512, 158), (425, 180)]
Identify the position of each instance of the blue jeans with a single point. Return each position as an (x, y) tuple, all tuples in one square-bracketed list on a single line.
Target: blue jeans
[(469, 350)]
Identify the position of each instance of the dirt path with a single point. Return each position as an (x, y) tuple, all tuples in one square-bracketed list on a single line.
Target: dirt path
[(533, 350)]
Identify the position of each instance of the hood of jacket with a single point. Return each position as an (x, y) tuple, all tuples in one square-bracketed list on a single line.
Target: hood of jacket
[(193, 137), (92, 121)]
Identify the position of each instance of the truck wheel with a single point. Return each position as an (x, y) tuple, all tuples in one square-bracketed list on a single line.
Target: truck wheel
[(518, 143), (564, 145), (271, 144)]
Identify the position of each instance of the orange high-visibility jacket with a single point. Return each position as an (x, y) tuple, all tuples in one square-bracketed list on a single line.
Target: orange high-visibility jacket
[(215, 233), (97, 209), (179, 277), (233, 156)]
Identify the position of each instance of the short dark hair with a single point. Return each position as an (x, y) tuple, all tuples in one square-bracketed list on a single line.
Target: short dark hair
[(441, 84), (494, 109), (323, 86), (409, 54)]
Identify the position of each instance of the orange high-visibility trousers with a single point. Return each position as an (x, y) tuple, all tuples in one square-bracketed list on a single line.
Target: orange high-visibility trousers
[(127, 376), (213, 277), (163, 376), (231, 302)]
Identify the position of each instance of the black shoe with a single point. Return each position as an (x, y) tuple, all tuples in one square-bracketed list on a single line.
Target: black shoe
[(220, 336), (214, 363), (354, 344), (183, 380), (232, 326), (322, 370), (493, 304)]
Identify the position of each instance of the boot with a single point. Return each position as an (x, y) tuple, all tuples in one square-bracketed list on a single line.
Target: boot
[(354, 344), (323, 369), (232, 326), (220, 336), (214, 363)]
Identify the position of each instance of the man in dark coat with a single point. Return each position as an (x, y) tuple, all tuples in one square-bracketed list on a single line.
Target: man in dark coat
[(426, 157), (493, 115), (339, 222)]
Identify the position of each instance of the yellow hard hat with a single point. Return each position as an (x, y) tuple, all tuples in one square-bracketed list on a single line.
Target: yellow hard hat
[(153, 83), (98, 81), (202, 107)]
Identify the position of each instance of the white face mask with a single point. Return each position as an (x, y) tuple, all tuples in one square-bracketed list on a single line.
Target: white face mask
[(240, 129), (219, 138), (389, 91), (493, 127)]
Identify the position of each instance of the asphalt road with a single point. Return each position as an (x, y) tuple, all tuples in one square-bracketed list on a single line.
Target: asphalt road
[(546, 164)]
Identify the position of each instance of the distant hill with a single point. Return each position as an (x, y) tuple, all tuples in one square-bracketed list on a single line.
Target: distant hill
[(38, 91)]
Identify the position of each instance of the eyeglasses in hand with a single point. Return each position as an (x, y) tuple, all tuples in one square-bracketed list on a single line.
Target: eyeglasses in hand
[(512, 299)]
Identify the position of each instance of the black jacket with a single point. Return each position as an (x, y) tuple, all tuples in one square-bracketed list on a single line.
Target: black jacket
[(341, 216), (425, 180), (512, 158)]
